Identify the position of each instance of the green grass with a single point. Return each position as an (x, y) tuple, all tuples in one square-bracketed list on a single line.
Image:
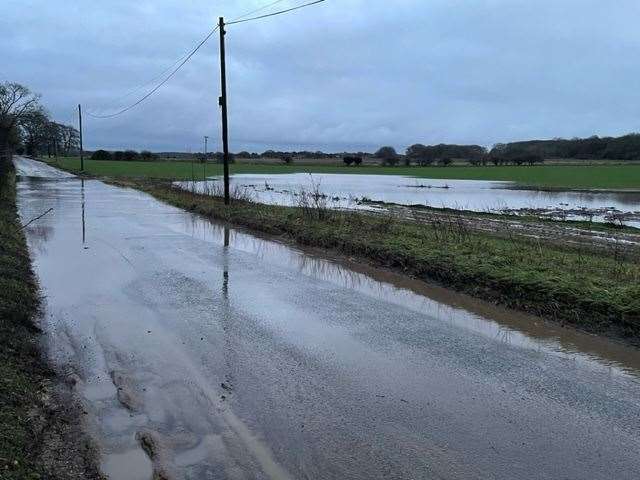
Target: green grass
[(595, 291), (544, 176), (21, 370)]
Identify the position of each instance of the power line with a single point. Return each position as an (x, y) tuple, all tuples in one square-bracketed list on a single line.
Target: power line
[(151, 80), (163, 72), (157, 87), (275, 13), (240, 19), (257, 10)]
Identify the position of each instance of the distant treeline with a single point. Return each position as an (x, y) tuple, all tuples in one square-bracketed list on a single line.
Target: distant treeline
[(529, 152), (626, 147), (126, 155)]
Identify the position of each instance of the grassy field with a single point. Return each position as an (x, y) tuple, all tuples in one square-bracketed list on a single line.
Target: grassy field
[(596, 291), (544, 176)]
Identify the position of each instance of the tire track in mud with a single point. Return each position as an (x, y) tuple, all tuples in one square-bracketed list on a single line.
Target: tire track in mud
[(164, 448), (186, 425)]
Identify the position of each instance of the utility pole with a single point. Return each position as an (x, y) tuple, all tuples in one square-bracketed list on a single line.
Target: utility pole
[(204, 163), (222, 101), (80, 124)]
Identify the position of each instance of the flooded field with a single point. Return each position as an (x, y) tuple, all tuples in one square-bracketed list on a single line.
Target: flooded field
[(356, 191), (204, 351)]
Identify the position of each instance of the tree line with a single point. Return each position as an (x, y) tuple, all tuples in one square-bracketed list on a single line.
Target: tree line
[(26, 126), (626, 147), (530, 152), (123, 155), (444, 154)]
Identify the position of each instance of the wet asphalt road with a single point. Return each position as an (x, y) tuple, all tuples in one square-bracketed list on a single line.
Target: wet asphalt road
[(235, 356)]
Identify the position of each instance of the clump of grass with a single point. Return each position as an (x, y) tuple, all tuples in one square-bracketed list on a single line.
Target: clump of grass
[(313, 203), (21, 369)]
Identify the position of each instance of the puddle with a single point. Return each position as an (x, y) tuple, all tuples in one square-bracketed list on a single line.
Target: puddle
[(133, 464)]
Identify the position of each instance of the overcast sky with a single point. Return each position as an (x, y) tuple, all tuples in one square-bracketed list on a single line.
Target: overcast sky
[(340, 75)]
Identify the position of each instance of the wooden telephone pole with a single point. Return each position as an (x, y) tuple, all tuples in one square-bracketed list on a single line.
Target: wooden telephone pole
[(222, 101), (80, 125)]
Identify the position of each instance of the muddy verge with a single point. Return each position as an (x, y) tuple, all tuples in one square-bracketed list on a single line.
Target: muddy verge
[(64, 449)]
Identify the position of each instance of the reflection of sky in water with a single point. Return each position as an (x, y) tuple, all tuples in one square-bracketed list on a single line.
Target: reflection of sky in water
[(504, 326), (343, 190)]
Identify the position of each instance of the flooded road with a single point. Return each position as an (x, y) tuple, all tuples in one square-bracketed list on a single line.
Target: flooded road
[(207, 352), (346, 190)]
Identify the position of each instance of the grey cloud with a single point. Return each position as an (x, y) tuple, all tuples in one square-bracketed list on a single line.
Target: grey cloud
[(350, 74)]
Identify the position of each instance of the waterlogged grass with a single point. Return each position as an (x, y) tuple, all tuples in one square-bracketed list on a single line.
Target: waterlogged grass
[(626, 177), (21, 372), (598, 292)]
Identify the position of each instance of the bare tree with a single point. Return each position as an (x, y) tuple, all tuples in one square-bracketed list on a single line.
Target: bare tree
[(36, 131), (16, 102), (69, 138)]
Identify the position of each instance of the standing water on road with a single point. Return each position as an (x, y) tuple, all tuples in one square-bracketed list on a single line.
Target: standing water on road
[(203, 351), (349, 191)]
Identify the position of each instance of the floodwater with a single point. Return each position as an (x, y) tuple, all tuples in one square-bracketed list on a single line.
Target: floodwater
[(228, 355), (345, 190)]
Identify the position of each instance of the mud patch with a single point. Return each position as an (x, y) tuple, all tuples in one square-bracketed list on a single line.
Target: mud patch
[(66, 450), (127, 395), (151, 442)]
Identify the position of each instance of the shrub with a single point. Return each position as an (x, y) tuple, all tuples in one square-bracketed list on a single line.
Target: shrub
[(219, 156), (101, 155), (147, 155), (130, 155), (443, 162), (352, 160)]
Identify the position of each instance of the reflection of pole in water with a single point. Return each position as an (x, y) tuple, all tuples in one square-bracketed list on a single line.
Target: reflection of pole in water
[(228, 353), (82, 199), (225, 270)]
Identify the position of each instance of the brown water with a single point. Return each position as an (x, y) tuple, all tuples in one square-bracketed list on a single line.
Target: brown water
[(237, 356)]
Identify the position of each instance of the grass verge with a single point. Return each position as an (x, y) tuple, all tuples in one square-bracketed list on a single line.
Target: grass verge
[(596, 292), (21, 370)]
